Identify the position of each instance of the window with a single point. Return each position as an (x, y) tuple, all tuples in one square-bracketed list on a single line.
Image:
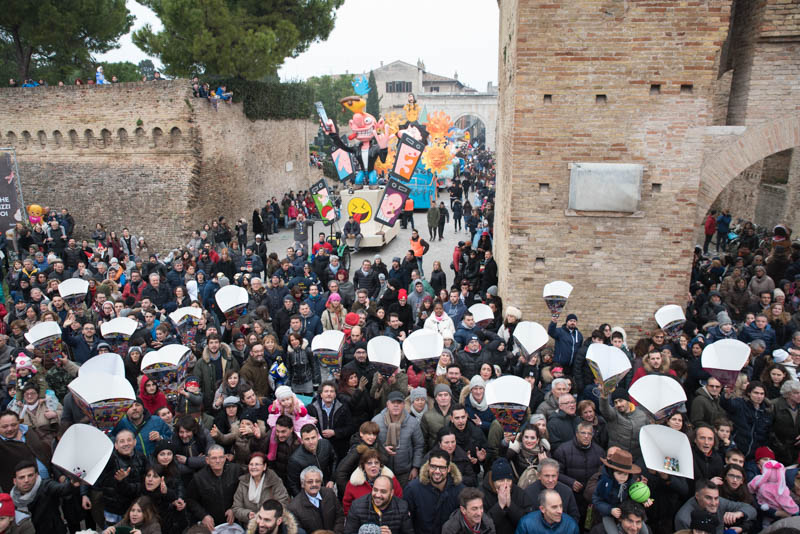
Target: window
[(435, 89), (398, 87)]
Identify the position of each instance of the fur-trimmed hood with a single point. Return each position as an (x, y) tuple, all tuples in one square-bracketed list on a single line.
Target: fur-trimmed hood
[(664, 369), (289, 525), (224, 350), (425, 478), (359, 477)]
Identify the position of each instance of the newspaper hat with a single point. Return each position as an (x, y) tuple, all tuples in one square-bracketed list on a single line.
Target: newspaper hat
[(83, 452), (186, 313), (530, 337), (167, 367), (482, 313), (73, 288), (327, 346), (555, 295), (670, 319), (666, 450), (104, 398), (123, 327), (384, 353), (724, 359), (109, 363), (607, 363), (47, 343), (423, 347), (508, 398), (658, 395), (230, 297)]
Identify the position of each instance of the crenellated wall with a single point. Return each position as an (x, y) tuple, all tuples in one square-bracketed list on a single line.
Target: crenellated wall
[(148, 156)]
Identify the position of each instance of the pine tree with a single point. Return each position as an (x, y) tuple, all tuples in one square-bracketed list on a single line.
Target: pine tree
[(373, 100)]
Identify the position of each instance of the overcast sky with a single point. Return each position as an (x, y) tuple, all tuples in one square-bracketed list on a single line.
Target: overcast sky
[(448, 35)]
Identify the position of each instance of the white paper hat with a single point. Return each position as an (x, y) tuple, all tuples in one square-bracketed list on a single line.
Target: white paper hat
[(109, 363), (423, 344), (481, 312), (83, 451), (779, 355), (120, 326), (608, 363), (666, 450), (670, 318), (167, 366), (229, 297), (187, 311), (508, 398), (329, 340), (73, 287), (558, 288), (168, 355), (42, 331), (104, 398), (658, 395), (724, 359), (530, 337), (384, 352), (508, 389)]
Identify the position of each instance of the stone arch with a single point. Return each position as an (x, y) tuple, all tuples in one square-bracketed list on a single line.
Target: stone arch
[(11, 138), (27, 139), (140, 136), (42, 138), (754, 144), (88, 136), (73, 138), (175, 137), (464, 114), (58, 138), (105, 135), (122, 137), (158, 137)]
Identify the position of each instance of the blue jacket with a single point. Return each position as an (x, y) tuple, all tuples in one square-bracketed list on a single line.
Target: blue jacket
[(751, 332), (751, 427), (463, 333), (317, 304), (81, 350), (455, 311), (534, 523), (607, 494), (715, 333), (142, 434), (429, 507), (567, 344), (723, 224)]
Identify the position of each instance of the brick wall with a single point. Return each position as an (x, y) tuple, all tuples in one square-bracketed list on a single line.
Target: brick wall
[(623, 268), (771, 203), (147, 156)]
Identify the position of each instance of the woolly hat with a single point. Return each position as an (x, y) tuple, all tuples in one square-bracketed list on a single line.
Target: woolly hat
[(192, 380), (442, 387), (620, 393), (283, 392), (418, 393), (230, 401), (778, 292), (571, 316), (764, 452), (402, 294), (103, 345), (514, 312), (369, 528), (536, 418), (477, 381), (501, 470), (334, 297), (223, 281), (163, 445), (779, 355), (7, 505), (351, 319), (724, 318), (23, 362), (134, 348), (492, 291), (397, 259)]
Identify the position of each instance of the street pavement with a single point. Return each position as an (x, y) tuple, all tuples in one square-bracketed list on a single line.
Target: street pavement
[(439, 250)]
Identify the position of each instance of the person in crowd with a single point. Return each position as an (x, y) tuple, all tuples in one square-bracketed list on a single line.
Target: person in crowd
[(147, 429), (333, 417), (210, 494), (257, 486), (624, 421), (317, 508), (631, 521), (548, 480), (470, 516), (401, 436), (504, 501), (380, 507), (141, 517), (39, 498), (433, 497), (579, 459), (313, 450), (736, 516), (273, 518), (370, 467), (550, 517), (752, 417)]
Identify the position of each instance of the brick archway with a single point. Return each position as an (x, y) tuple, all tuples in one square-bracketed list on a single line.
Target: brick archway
[(755, 144)]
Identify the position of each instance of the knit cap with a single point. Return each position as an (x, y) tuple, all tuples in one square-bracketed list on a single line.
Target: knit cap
[(501, 470), (442, 387), (477, 381), (418, 393), (283, 392), (7, 506)]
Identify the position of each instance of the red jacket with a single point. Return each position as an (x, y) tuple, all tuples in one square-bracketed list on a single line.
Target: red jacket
[(358, 486), (711, 225), (128, 291)]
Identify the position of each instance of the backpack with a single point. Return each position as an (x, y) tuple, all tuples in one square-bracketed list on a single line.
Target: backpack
[(529, 476)]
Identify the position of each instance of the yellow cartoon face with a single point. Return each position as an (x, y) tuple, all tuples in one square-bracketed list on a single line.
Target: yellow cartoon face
[(359, 209)]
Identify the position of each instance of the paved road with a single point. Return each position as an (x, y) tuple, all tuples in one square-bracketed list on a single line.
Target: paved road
[(440, 250)]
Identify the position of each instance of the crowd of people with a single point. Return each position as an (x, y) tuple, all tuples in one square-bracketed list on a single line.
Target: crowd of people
[(263, 438), (99, 79)]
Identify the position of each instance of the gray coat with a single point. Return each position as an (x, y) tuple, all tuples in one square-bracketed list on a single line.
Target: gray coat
[(623, 429), (410, 443)]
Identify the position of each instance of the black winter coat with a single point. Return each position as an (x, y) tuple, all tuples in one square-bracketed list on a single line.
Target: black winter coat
[(209, 494), (751, 427), (44, 509), (561, 428), (506, 519), (395, 516), (786, 430), (329, 516), (118, 495), (578, 463), (429, 507), (340, 421), (706, 467), (325, 459)]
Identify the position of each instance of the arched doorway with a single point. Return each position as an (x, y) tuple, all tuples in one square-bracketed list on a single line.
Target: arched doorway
[(474, 125)]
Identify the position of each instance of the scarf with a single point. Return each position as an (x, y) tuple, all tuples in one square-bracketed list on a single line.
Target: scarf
[(393, 429), (531, 456), (22, 502), (28, 409), (417, 414), (440, 371), (254, 490), (476, 529), (480, 406)]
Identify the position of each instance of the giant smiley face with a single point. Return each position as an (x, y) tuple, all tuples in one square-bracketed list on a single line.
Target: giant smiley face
[(359, 209)]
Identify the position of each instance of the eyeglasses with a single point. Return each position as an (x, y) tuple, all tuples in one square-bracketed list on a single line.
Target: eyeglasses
[(733, 477), (437, 467), (709, 386), (658, 337), (568, 403)]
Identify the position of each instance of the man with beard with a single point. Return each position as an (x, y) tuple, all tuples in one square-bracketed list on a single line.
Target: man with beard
[(380, 507), (273, 519), (433, 497), (147, 429)]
